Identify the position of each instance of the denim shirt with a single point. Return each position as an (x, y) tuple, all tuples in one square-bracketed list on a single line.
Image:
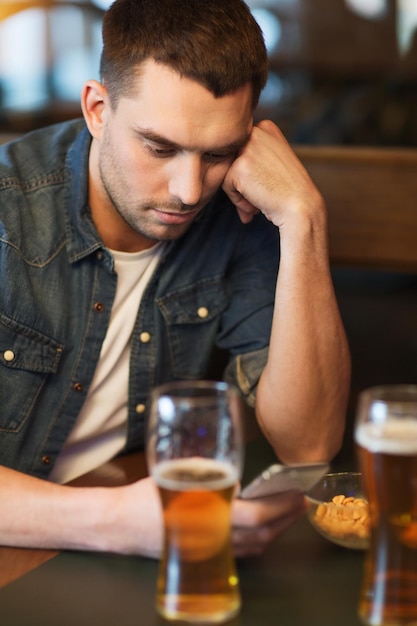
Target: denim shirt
[(206, 312)]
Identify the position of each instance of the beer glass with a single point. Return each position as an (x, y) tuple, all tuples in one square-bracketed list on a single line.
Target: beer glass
[(386, 442), (195, 456)]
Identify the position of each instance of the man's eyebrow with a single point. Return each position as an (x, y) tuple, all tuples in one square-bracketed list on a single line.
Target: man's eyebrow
[(151, 135)]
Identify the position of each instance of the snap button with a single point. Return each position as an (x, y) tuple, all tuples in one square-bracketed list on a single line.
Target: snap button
[(78, 387), (140, 408), (203, 312), (8, 355), (145, 337), (46, 460), (99, 307)]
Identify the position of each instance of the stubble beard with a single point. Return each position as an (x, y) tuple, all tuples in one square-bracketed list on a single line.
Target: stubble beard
[(139, 217)]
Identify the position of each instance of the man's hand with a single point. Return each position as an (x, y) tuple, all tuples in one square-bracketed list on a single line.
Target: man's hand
[(256, 523), (267, 176)]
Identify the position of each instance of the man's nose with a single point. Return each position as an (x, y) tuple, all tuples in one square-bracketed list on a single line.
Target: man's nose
[(186, 180)]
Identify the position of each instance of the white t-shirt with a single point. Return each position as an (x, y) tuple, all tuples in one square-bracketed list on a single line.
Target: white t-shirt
[(100, 430)]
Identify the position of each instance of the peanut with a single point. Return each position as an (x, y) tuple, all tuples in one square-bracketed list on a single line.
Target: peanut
[(343, 517)]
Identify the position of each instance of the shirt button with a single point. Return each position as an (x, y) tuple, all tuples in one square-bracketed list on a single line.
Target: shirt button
[(202, 312), (8, 355), (99, 255), (99, 307), (140, 408), (145, 337), (78, 387), (46, 460)]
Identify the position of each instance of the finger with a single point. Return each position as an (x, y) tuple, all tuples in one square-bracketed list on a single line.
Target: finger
[(245, 216), (244, 208), (252, 513), (256, 523), (254, 541)]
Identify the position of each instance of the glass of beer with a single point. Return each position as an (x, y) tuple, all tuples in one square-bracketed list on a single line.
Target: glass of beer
[(195, 456), (386, 442)]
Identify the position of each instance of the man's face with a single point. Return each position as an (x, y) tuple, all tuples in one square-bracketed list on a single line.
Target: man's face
[(161, 156)]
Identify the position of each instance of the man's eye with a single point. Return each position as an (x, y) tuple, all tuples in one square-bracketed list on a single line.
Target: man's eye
[(159, 152), (219, 156)]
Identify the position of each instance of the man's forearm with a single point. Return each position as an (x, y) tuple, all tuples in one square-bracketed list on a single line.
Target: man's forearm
[(303, 391), (37, 513)]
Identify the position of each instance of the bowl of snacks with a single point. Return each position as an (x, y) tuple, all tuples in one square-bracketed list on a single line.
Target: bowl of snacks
[(338, 510)]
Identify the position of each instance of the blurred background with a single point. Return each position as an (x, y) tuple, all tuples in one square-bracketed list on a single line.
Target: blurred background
[(341, 71)]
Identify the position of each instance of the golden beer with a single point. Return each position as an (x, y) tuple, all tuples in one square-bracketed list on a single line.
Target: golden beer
[(197, 578), (387, 454)]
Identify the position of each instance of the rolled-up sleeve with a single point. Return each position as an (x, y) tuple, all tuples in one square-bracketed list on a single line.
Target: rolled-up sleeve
[(244, 372)]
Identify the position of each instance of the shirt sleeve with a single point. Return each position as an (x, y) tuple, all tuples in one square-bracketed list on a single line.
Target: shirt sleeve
[(244, 371)]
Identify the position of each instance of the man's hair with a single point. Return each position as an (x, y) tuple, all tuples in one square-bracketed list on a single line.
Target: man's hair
[(217, 43)]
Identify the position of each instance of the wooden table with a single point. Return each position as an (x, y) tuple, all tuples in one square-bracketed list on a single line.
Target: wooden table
[(302, 580)]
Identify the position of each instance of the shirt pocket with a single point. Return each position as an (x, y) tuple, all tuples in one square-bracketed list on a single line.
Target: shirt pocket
[(27, 357), (193, 316)]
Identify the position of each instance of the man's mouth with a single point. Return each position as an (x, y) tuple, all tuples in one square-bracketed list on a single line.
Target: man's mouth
[(175, 218)]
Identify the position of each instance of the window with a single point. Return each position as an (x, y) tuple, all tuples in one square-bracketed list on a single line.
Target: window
[(59, 48)]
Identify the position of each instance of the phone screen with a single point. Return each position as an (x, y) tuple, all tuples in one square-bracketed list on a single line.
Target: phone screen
[(279, 478)]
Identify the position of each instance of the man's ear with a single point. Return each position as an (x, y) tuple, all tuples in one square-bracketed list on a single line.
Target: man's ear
[(94, 100)]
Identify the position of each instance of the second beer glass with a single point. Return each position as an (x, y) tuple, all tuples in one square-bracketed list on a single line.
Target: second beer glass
[(195, 455), (386, 438)]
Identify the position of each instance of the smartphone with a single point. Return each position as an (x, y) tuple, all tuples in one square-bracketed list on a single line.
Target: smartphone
[(279, 478)]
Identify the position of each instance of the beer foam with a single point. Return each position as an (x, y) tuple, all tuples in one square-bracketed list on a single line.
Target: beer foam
[(200, 465), (392, 436)]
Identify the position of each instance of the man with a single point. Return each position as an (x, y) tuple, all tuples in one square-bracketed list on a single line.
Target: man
[(142, 246)]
